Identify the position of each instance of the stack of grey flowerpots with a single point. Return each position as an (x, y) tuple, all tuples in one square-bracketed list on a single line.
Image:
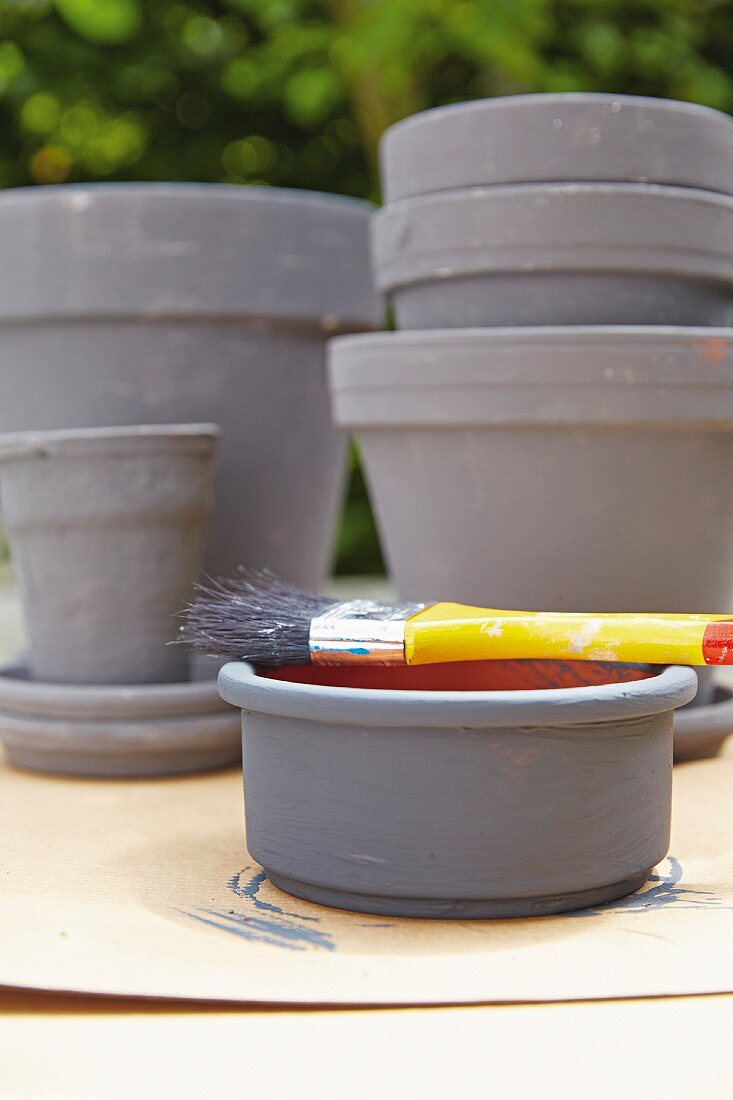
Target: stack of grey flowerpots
[(157, 306), (552, 426)]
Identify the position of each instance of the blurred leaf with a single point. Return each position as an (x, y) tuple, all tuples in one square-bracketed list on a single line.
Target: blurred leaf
[(12, 64), (311, 95), (103, 21)]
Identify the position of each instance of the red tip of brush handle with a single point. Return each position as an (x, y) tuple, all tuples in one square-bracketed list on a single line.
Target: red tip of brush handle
[(717, 643)]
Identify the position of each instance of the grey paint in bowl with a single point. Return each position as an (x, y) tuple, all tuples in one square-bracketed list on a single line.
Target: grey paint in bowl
[(557, 254), (106, 529), (550, 469), (542, 138), (438, 792), (163, 303)]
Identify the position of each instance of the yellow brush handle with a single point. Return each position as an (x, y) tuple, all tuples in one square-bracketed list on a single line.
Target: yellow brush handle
[(454, 632)]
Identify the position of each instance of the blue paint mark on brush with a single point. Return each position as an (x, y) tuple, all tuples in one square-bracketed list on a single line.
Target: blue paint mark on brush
[(359, 650), (664, 893)]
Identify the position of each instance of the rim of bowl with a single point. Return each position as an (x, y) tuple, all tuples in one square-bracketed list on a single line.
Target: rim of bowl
[(242, 686)]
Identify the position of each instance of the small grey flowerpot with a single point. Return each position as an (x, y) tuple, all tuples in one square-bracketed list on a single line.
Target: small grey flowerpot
[(106, 529), (549, 469), (130, 731), (557, 254), (545, 138), (159, 303), (437, 792)]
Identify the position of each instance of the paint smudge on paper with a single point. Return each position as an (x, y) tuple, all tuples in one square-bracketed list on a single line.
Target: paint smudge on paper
[(262, 921), (277, 932), (660, 892)]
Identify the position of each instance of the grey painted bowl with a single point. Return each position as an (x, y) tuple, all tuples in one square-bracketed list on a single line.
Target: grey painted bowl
[(544, 138), (552, 469), (125, 731), (106, 528), (437, 792), (557, 254), (158, 303)]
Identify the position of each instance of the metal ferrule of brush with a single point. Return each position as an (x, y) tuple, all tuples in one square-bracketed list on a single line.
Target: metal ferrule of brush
[(361, 631)]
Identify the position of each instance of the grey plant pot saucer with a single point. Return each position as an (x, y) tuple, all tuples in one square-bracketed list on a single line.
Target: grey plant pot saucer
[(699, 731), (115, 731)]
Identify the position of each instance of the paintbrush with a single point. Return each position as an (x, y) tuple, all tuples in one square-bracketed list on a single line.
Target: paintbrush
[(259, 618)]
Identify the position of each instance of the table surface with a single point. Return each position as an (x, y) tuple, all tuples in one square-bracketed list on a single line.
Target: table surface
[(78, 1047)]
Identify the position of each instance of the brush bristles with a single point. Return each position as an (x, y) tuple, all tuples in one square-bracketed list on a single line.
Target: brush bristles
[(254, 617)]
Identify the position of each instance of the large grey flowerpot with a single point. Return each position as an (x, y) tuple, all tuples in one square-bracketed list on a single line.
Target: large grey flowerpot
[(552, 254), (106, 529), (126, 731), (566, 469), (544, 138), (134, 303), (434, 793)]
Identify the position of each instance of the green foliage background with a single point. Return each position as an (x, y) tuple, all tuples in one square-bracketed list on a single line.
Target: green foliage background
[(295, 93)]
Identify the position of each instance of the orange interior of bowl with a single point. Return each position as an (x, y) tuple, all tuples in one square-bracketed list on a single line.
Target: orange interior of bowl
[(466, 675)]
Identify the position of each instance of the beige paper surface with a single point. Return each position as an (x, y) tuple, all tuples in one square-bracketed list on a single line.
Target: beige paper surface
[(145, 888), (676, 1048)]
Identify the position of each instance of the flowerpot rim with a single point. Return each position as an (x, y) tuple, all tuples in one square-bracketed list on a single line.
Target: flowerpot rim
[(153, 251), (498, 357), (470, 337), (495, 193), (167, 190), (558, 136), (242, 686), (557, 375), (548, 227), (126, 440)]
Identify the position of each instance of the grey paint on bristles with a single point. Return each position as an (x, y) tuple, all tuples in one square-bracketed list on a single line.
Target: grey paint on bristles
[(253, 617)]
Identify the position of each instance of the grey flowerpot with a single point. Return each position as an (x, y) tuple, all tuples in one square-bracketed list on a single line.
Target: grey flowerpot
[(114, 732), (464, 800), (134, 303), (106, 530), (558, 254), (545, 138), (550, 469)]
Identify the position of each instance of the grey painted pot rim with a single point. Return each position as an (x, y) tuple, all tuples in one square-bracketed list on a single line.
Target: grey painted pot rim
[(544, 375), (549, 227), (133, 440), (170, 189), (115, 732), (558, 136), (158, 250), (242, 686)]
